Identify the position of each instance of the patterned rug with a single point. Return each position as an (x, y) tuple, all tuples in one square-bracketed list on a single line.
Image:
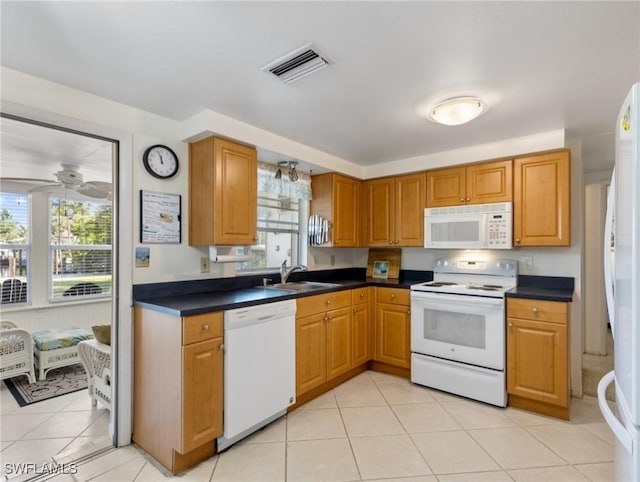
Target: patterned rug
[(60, 381)]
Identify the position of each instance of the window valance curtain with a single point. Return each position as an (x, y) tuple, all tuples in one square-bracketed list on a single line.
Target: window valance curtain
[(267, 182)]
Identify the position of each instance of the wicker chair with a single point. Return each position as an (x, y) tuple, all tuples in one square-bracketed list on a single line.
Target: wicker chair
[(16, 352), (96, 359)]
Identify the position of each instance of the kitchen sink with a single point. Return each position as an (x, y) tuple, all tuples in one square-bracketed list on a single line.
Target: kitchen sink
[(301, 286)]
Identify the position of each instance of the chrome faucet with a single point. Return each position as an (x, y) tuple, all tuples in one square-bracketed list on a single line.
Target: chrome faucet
[(284, 273)]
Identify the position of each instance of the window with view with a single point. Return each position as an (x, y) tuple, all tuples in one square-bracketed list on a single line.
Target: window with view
[(15, 247), (80, 248), (278, 234)]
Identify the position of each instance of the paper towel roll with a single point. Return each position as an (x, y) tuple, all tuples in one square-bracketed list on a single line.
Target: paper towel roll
[(230, 259)]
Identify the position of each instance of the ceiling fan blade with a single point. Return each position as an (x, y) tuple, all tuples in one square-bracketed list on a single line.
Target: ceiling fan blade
[(95, 189), (25, 179), (46, 188)]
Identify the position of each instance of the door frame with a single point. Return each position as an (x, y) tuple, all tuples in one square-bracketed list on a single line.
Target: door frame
[(121, 415)]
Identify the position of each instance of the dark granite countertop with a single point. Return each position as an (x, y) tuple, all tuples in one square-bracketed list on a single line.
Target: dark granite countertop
[(547, 288), (192, 298), (203, 296)]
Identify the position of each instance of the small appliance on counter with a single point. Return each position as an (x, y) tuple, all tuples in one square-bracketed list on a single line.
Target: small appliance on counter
[(458, 328)]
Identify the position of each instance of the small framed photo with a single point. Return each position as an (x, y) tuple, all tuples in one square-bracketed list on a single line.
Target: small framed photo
[(380, 269), (142, 257)]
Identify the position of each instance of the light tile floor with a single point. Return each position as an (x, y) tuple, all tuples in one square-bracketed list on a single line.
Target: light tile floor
[(381, 427), (60, 427)]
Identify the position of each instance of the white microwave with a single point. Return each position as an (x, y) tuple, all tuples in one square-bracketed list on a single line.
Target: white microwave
[(474, 226)]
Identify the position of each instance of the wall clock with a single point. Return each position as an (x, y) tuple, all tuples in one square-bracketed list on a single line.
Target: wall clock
[(160, 161)]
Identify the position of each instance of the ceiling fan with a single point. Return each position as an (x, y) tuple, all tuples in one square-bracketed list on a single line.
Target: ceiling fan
[(70, 178)]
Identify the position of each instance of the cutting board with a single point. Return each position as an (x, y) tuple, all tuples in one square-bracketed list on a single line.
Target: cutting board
[(392, 255)]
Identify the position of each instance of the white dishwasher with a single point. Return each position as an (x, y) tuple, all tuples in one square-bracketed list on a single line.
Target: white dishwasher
[(259, 367)]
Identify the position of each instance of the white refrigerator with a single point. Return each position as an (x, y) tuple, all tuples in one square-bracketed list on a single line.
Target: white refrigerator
[(622, 272)]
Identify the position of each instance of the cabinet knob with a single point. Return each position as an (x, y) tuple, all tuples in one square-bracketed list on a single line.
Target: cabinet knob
[(468, 199), (205, 327), (336, 242), (362, 296), (390, 241), (517, 240), (354, 311), (510, 325), (328, 302), (221, 347), (408, 312), (461, 199), (326, 318), (255, 238), (395, 242), (393, 296), (534, 309)]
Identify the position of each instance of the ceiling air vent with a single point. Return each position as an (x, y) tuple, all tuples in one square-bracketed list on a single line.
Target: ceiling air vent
[(299, 63)]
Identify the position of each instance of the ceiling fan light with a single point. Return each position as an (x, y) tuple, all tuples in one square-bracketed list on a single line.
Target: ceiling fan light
[(457, 111)]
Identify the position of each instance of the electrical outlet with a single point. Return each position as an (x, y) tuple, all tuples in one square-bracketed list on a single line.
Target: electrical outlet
[(204, 264), (526, 261)]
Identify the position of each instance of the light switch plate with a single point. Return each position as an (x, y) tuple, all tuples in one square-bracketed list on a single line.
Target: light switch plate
[(204, 264)]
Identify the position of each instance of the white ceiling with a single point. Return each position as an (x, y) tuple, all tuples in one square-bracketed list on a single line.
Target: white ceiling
[(541, 66)]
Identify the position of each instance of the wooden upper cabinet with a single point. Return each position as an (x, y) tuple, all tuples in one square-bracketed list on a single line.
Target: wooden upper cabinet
[(222, 193), (446, 187), (394, 211), (335, 198), (542, 200), (487, 182), (379, 212), (490, 182)]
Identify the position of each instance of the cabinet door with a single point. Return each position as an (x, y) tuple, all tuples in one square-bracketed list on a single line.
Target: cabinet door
[(201, 393), (235, 207), (379, 216), (345, 211), (541, 201), (338, 342), (446, 187), (538, 361), (409, 210), (360, 335), (392, 335), (490, 182), (222, 193), (311, 352)]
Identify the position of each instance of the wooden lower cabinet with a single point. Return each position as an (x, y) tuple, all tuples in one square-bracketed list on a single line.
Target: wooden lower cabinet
[(338, 342), (323, 339), (178, 386), (362, 328), (393, 325), (311, 352), (201, 393), (538, 356)]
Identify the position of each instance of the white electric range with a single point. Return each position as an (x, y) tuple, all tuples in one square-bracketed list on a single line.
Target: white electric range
[(458, 327)]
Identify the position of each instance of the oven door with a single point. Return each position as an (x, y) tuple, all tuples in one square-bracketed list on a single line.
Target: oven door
[(468, 329)]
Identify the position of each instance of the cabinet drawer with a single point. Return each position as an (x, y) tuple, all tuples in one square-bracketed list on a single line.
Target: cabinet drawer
[(396, 296), (360, 295), (552, 311), (201, 327), (320, 303)]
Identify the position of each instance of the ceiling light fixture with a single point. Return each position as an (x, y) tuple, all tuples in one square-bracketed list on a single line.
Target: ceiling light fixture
[(458, 110)]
